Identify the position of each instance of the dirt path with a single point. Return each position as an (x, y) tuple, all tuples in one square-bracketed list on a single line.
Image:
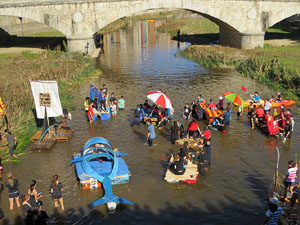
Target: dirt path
[(282, 42), (19, 49)]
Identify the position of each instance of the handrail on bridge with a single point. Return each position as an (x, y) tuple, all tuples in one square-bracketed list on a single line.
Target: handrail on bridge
[(24, 3)]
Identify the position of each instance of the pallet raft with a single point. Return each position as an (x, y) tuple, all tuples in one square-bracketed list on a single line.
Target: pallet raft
[(189, 176), (50, 139)]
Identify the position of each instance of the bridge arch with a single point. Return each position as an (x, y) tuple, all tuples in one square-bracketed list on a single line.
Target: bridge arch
[(284, 14), (211, 13), (50, 20)]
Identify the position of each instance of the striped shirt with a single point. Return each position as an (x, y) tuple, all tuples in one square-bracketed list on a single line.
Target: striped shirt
[(274, 216), (292, 173)]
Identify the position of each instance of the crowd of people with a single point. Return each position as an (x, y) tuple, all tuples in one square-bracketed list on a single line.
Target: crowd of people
[(272, 121), (99, 104), (31, 201)]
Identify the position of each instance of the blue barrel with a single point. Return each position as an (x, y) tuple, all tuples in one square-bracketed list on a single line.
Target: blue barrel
[(105, 116), (94, 118)]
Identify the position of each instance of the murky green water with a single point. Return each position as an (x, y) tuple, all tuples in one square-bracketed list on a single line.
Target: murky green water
[(243, 161)]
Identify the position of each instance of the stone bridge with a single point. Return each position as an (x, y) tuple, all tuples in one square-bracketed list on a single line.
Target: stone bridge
[(242, 22)]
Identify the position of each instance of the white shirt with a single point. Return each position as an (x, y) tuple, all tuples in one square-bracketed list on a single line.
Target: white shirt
[(267, 106)]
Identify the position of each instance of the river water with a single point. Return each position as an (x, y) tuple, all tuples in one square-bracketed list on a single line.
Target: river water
[(137, 60)]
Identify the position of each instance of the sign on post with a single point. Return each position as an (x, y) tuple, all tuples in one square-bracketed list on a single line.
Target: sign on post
[(45, 99)]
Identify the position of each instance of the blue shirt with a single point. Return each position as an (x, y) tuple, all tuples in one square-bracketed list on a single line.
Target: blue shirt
[(151, 129), (256, 98), (101, 96), (227, 116)]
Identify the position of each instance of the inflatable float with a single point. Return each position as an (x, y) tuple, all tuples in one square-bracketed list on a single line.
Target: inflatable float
[(274, 104)]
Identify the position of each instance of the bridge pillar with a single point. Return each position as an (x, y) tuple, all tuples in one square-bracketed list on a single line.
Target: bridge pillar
[(78, 44), (245, 40)]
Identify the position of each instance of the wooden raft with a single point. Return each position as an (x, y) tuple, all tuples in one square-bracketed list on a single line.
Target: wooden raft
[(62, 135), (46, 143), (190, 141), (153, 120), (191, 173)]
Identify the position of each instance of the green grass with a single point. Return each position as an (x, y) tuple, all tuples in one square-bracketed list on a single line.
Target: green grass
[(53, 33), (275, 30), (189, 26), (287, 55)]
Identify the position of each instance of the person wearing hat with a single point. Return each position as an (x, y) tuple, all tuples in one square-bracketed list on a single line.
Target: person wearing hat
[(221, 103), (274, 212)]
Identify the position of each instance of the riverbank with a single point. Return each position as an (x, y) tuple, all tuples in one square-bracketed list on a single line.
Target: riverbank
[(17, 68), (276, 67)]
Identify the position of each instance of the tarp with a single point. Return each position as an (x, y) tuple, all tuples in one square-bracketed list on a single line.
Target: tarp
[(213, 113), (46, 87)]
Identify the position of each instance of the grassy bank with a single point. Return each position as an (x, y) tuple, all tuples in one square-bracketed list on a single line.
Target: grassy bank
[(189, 26), (277, 67), (69, 69)]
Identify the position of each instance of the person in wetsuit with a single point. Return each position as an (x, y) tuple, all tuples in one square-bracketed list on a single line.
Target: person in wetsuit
[(177, 167), (174, 132), (202, 161), (180, 129)]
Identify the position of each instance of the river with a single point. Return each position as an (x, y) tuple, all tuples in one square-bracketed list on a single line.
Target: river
[(137, 60)]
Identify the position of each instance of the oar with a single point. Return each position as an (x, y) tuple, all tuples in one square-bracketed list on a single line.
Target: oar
[(163, 157), (277, 186)]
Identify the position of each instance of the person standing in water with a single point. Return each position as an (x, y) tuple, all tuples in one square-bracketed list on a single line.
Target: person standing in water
[(34, 195), (151, 133), (56, 189), (174, 132), (11, 141), (13, 191), (86, 104), (121, 103)]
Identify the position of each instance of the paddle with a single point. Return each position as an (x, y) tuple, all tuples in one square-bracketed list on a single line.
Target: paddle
[(245, 90)]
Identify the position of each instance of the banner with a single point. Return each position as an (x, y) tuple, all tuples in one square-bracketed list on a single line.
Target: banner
[(2, 108), (45, 94)]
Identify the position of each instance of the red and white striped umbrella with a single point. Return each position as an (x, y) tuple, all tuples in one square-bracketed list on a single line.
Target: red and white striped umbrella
[(160, 98)]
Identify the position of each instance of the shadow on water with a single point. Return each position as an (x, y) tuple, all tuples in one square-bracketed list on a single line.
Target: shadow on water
[(144, 215), (197, 39)]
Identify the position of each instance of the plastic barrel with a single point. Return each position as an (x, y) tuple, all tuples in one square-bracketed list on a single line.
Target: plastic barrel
[(94, 118)]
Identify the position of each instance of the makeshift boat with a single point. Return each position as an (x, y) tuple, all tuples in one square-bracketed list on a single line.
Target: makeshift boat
[(98, 164), (274, 104), (190, 175)]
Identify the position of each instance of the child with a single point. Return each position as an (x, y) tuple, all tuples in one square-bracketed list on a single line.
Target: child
[(113, 108), (186, 112), (86, 104), (291, 178), (121, 103), (112, 98)]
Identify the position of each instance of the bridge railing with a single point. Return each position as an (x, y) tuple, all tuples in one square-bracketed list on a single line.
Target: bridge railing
[(16, 3)]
